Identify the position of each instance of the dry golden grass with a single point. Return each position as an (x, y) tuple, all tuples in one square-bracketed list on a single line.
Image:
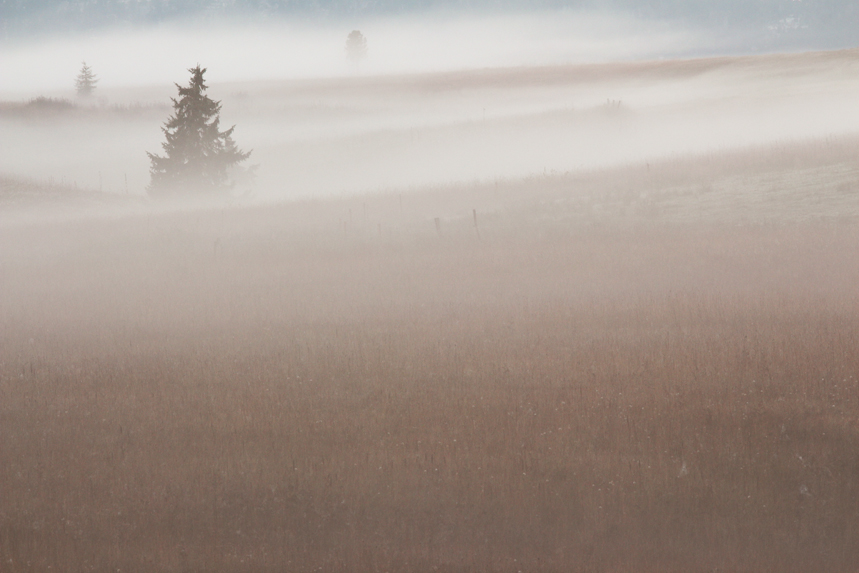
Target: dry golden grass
[(300, 388)]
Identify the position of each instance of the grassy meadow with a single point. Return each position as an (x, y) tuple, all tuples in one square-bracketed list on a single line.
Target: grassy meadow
[(643, 368)]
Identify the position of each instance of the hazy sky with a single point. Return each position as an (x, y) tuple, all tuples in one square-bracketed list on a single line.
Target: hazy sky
[(137, 42)]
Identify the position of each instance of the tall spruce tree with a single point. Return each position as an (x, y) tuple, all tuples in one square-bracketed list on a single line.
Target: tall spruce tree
[(85, 82), (198, 156)]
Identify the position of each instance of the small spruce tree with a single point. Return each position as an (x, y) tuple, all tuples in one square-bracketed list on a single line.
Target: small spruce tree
[(86, 81), (356, 47), (198, 155)]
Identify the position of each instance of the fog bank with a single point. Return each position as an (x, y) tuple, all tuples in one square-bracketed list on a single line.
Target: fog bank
[(291, 49), (439, 98)]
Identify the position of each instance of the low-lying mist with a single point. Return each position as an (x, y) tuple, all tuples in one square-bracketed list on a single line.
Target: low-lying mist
[(253, 50), (369, 132)]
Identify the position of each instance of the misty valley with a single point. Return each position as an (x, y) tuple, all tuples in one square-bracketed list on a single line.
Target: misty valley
[(560, 317)]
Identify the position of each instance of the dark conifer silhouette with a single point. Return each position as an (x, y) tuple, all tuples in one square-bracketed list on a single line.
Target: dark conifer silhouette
[(86, 81), (198, 156)]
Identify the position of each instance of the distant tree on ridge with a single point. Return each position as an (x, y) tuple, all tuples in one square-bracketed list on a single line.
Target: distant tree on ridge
[(356, 46), (86, 81)]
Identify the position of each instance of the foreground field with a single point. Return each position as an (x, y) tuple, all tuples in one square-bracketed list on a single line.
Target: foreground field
[(582, 374)]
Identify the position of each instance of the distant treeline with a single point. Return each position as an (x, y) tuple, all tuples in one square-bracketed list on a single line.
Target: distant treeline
[(825, 20)]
